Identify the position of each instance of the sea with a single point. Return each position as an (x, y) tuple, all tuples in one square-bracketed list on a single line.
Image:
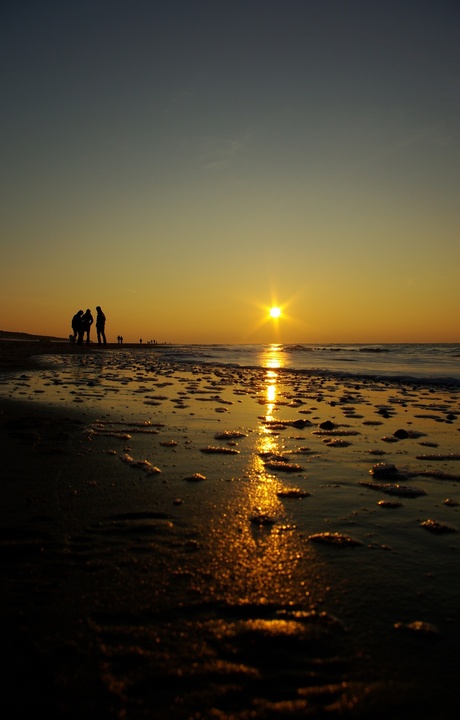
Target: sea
[(435, 364), (425, 363)]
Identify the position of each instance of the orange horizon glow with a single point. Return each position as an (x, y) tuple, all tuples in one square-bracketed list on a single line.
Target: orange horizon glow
[(307, 321)]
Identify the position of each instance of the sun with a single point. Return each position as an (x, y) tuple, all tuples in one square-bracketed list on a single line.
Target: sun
[(275, 312)]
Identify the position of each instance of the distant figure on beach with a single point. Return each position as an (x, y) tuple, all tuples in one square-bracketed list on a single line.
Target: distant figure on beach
[(77, 326), (100, 326), (120, 339), (87, 321)]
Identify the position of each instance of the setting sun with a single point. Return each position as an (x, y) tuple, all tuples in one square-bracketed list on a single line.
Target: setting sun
[(275, 312)]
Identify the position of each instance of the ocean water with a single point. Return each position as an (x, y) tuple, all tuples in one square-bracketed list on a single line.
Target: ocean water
[(437, 364)]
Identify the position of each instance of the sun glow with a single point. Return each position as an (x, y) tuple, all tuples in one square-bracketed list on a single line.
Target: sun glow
[(275, 312)]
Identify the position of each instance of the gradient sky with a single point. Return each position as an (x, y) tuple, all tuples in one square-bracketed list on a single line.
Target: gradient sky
[(186, 164)]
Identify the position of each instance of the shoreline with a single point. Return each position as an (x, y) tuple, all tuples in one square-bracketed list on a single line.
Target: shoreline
[(17, 354), (179, 540)]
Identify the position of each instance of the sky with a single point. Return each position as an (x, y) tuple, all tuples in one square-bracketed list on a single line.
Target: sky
[(188, 164)]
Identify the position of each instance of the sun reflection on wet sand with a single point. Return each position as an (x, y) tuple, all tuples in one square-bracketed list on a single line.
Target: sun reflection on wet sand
[(272, 360), (270, 379), (255, 541)]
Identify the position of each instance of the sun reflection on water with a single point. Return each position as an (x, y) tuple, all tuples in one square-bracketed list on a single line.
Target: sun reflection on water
[(272, 357)]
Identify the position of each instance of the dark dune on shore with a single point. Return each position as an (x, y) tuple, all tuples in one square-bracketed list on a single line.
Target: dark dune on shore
[(158, 561)]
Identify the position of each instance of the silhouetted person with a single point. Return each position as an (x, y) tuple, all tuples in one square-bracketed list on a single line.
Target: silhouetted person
[(87, 321), (77, 327), (100, 326)]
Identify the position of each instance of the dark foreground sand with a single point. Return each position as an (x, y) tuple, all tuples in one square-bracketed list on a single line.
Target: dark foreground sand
[(191, 544)]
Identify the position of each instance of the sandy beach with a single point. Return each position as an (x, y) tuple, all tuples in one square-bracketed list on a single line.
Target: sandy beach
[(183, 541)]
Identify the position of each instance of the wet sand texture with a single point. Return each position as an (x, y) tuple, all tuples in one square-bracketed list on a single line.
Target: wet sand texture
[(192, 542)]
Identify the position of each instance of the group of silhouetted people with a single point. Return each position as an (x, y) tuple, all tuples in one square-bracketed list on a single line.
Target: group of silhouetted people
[(81, 327)]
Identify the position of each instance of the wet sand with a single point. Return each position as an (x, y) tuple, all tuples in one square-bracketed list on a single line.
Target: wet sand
[(184, 542)]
